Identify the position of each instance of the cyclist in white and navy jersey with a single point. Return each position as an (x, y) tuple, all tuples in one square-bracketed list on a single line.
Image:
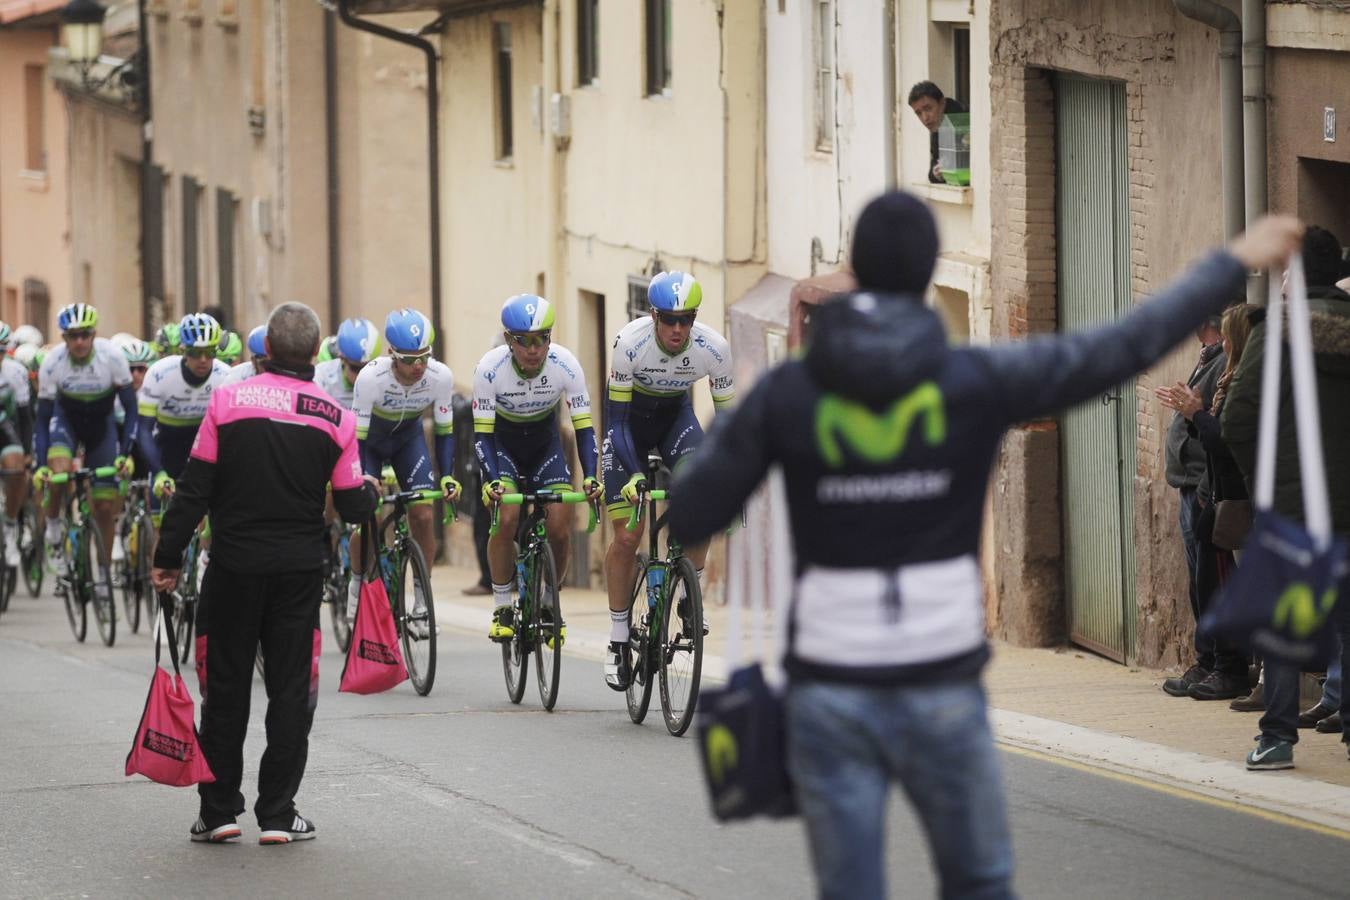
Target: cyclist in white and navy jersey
[(518, 389), (358, 343), (257, 352), (174, 397), (78, 384), (657, 359), (391, 394), (16, 440)]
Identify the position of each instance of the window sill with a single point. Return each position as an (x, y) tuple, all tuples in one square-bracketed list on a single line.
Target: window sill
[(944, 193), (34, 180), (506, 162)]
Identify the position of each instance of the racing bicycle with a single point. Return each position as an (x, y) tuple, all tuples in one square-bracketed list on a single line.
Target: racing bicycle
[(665, 619), (86, 581), (536, 612)]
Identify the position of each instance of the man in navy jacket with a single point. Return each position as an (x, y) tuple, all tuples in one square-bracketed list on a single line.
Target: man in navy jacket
[(886, 436)]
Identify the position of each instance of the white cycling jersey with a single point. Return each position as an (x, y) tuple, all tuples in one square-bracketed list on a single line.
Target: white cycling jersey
[(379, 397), (14, 386), (240, 372), (641, 364), (168, 398), (102, 373), (331, 375), (501, 389)]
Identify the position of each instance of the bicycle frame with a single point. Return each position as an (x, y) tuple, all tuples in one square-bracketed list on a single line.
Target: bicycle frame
[(532, 533), (392, 549)]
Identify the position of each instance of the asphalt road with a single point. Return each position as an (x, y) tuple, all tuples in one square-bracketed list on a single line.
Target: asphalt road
[(462, 794)]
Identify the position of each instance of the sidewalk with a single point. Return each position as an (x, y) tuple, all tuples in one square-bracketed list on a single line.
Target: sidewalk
[(1065, 703)]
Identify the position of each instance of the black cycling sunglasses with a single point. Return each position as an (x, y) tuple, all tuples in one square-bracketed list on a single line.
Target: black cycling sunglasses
[(669, 318), (76, 334), (531, 339)]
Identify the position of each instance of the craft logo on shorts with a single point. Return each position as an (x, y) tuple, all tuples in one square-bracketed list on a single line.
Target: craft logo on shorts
[(377, 653), (259, 396), (166, 746)]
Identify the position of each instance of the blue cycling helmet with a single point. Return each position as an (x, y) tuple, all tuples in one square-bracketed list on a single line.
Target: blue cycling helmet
[(527, 312), (674, 292), (198, 331), (359, 341), (408, 331), (256, 345), (77, 316)]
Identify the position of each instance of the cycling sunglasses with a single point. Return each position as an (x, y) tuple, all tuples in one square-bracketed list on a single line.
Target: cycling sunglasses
[(668, 318), (76, 334), (200, 353), (531, 339), (411, 359)]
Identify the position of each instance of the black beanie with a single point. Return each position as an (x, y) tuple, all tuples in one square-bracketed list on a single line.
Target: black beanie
[(895, 245)]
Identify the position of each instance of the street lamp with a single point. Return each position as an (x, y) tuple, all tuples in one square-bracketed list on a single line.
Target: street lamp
[(82, 32)]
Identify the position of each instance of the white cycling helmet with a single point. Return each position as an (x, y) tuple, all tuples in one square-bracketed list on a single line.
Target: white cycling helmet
[(27, 334)]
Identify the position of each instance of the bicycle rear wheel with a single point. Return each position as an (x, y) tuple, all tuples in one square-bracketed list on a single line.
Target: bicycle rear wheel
[(145, 544), (681, 647), (31, 551), (99, 584), (337, 580), (186, 618), (127, 577), (73, 592), (639, 692), (546, 627), (419, 653)]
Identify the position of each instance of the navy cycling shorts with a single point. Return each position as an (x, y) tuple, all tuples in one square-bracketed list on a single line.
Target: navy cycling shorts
[(674, 436), (406, 451), (531, 463), (100, 444)]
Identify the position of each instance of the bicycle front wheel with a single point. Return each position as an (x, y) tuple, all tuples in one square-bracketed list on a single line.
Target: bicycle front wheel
[(145, 546), (336, 581), (639, 692), (127, 578), (99, 583), (73, 591), (31, 551), (418, 623), (681, 647), (546, 627)]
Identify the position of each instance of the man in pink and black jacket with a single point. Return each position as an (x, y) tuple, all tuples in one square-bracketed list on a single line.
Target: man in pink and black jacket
[(261, 465)]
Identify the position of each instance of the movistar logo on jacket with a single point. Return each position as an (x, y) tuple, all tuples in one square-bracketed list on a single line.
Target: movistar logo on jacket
[(878, 437), (1299, 612)]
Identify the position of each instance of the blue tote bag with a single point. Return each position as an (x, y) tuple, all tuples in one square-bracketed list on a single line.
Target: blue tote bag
[(1280, 600)]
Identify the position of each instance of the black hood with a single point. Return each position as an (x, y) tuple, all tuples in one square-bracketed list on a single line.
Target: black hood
[(873, 347)]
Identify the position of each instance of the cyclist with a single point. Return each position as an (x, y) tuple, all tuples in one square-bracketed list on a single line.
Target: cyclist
[(391, 393), (78, 384), (656, 361), (327, 349), (518, 388), (29, 356), (166, 340), (174, 397), (231, 347), (358, 343), (257, 351), (16, 441), (140, 356)]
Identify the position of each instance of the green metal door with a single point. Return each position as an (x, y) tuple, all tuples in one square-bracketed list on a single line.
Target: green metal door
[(1097, 438)]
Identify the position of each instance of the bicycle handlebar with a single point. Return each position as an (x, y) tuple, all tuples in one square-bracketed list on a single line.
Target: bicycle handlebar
[(100, 472), (636, 515), (405, 497), (546, 497)]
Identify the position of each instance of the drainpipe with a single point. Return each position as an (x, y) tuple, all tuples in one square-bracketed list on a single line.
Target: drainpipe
[(1230, 102), (888, 91), (433, 148), (151, 307), (331, 146), (1254, 123)]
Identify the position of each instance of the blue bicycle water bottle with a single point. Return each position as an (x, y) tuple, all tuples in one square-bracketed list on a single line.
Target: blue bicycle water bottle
[(656, 577)]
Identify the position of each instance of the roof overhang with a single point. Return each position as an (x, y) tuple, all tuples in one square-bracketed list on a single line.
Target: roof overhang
[(446, 8), (31, 13)]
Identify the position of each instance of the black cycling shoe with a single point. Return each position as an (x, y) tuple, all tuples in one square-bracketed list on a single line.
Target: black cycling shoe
[(618, 666)]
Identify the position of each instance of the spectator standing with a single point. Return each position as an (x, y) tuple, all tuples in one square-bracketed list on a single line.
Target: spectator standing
[(928, 103), (1227, 665), (264, 456), (1329, 308), (886, 436), (1184, 457)]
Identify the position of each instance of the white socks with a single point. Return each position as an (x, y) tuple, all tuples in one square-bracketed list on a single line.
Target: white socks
[(618, 626), (53, 532), (501, 595)]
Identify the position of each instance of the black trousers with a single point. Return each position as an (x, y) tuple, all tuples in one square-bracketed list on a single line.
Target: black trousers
[(238, 612)]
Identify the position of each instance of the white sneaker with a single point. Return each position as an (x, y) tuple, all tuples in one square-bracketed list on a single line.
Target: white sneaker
[(56, 560), (119, 552)]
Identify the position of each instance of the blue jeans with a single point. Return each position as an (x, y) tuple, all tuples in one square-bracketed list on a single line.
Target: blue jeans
[(1187, 517), (1282, 682), (1331, 690), (847, 743)]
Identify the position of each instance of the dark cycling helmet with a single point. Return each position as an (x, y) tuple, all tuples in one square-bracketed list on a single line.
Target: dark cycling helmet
[(230, 348)]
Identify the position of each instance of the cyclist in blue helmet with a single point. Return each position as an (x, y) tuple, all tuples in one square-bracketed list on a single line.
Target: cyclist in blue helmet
[(257, 351), (80, 382), (518, 389), (390, 396), (358, 343), (656, 361)]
